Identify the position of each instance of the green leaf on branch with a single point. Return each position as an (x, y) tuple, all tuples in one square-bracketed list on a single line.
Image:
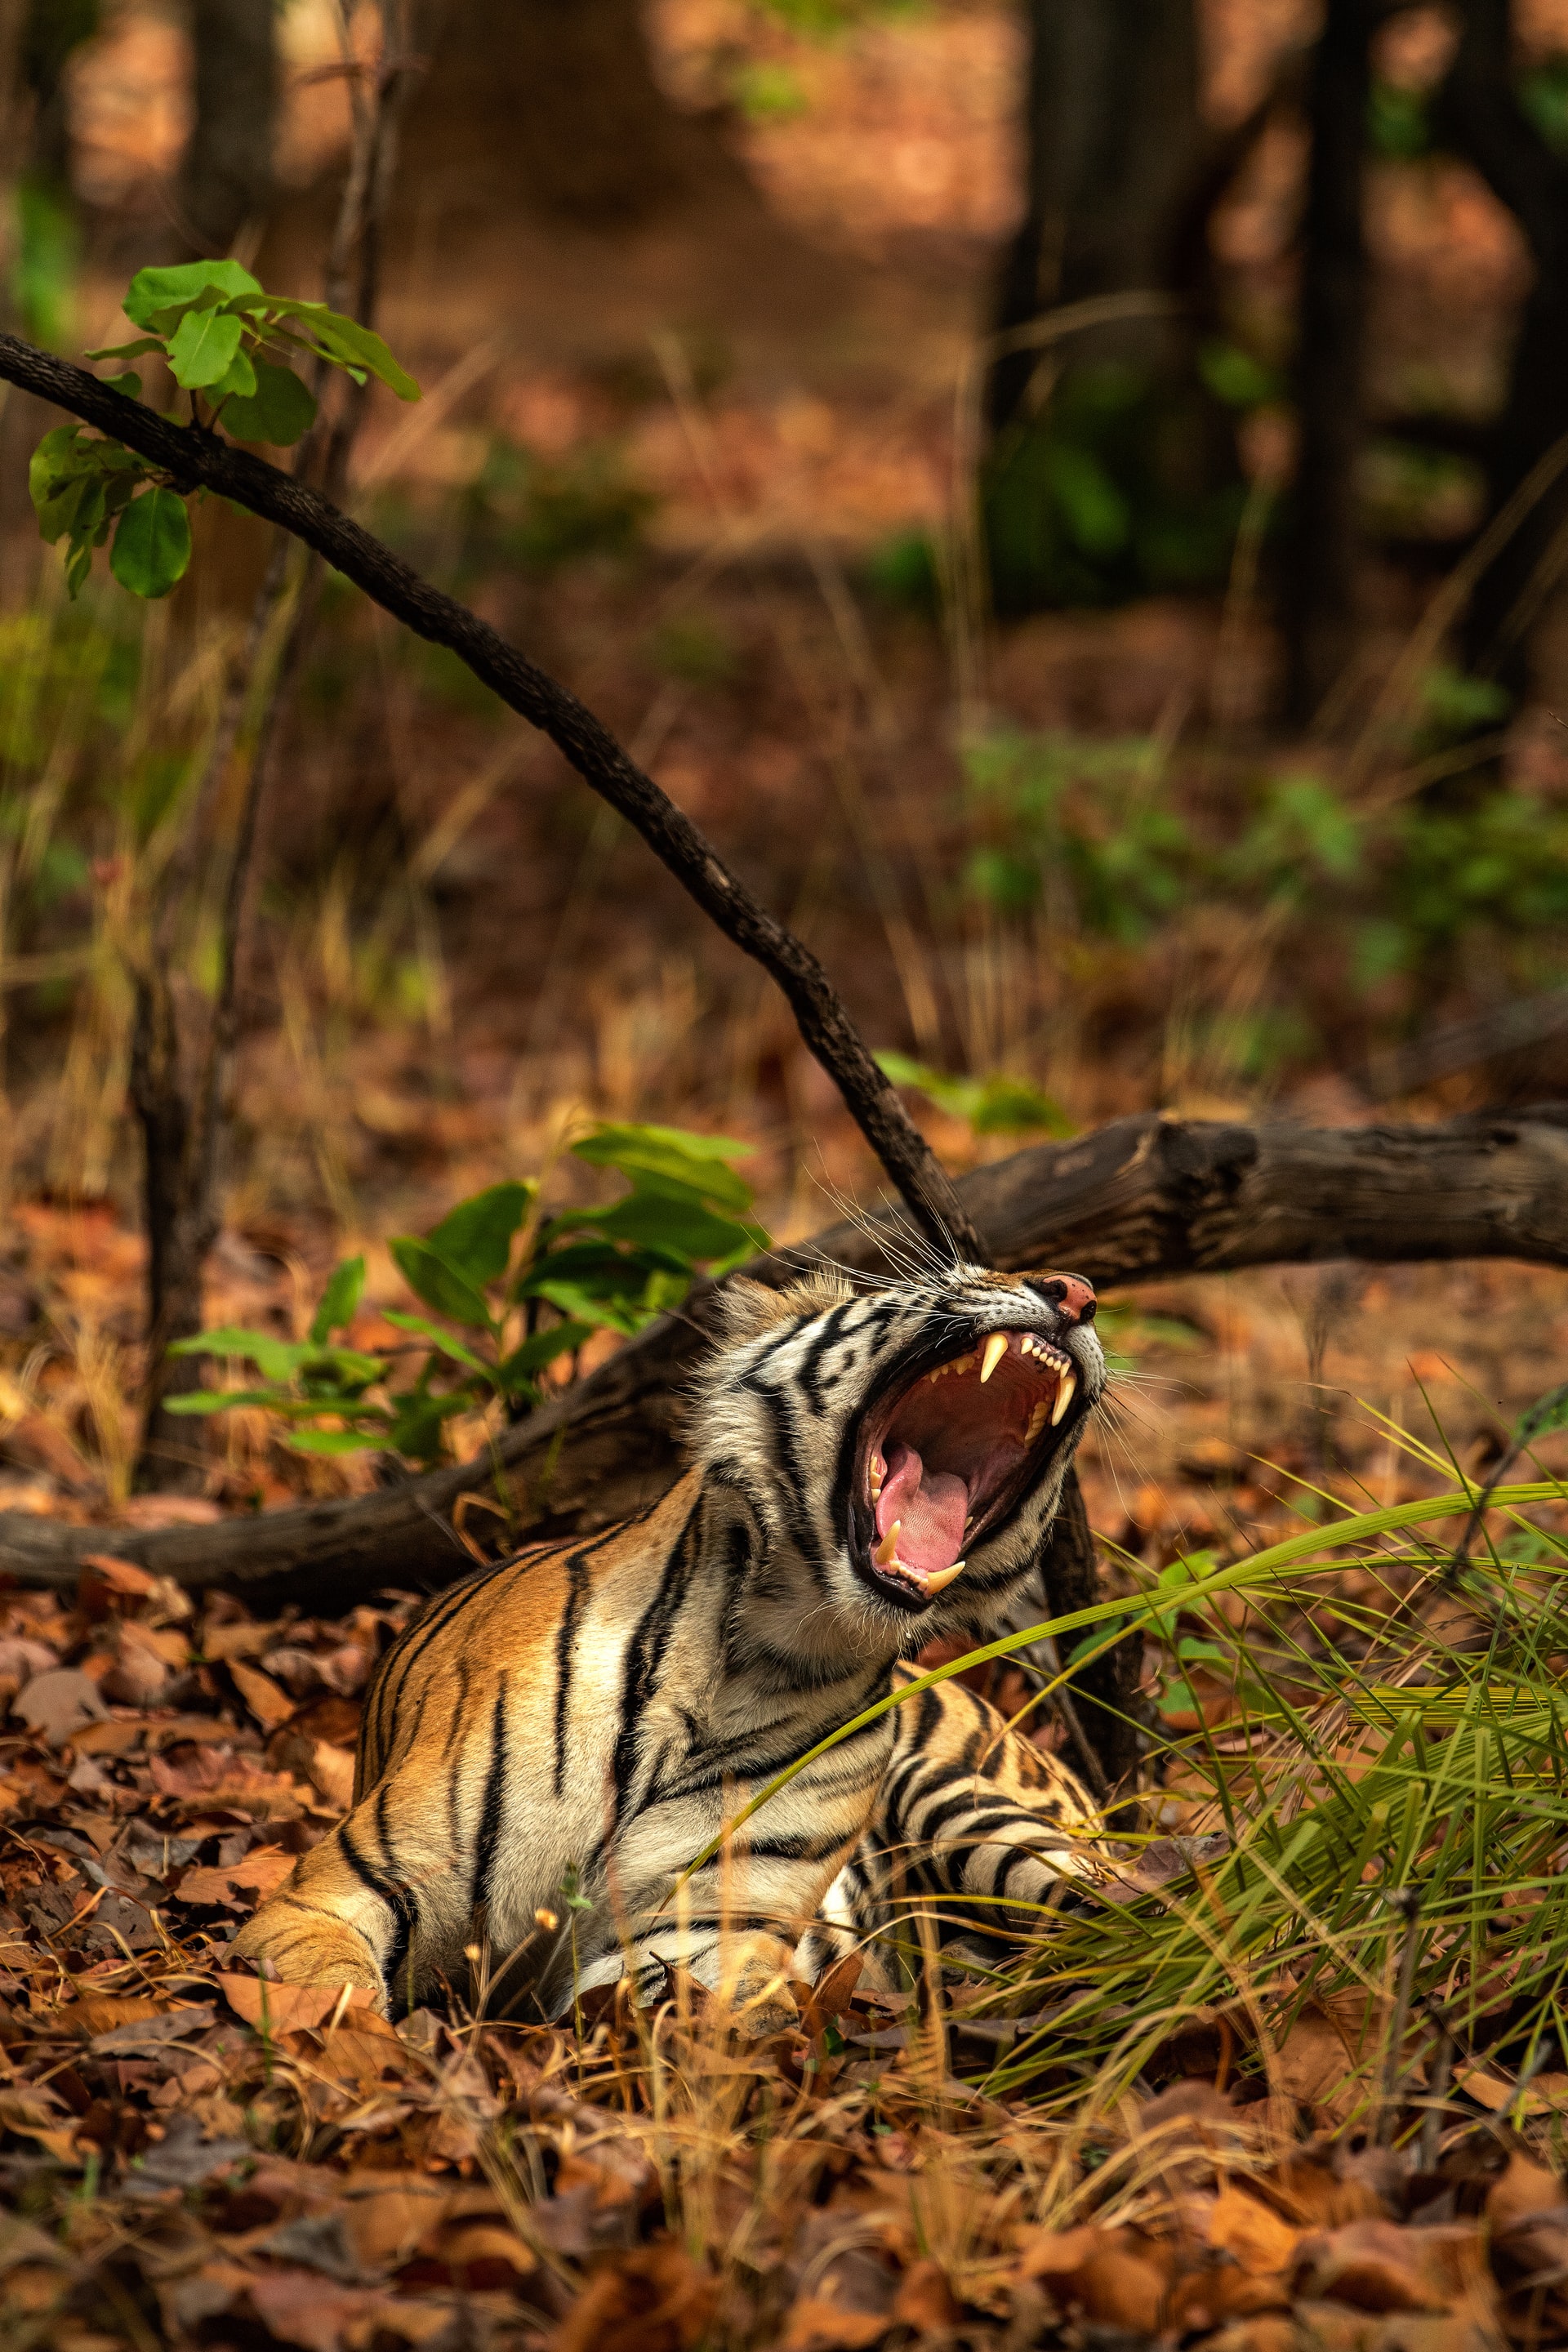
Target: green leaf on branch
[(477, 1236), (669, 1154), (422, 1329), (280, 412), (340, 1300), (338, 1441), (673, 1221), (159, 298), (997, 1105), (341, 340), (418, 1430), (277, 1360), (203, 348), (224, 1400), (518, 1369), (440, 1285), (127, 351), (151, 544), (582, 1305)]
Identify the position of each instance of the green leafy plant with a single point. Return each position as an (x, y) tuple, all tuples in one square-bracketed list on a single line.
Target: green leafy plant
[(511, 1293), (995, 1104), (1125, 483), (1094, 814), (232, 348)]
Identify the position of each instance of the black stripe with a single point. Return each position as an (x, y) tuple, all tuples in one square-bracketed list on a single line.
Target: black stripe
[(789, 1477), (490, 1813), (640, 1675), (398, 1900), (419, 1637), (798, 1846), (578, 1587), (808, 1374), (459, 1723)]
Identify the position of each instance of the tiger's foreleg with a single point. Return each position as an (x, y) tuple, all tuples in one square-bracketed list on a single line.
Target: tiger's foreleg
[(970, 1813), (346, 1916)]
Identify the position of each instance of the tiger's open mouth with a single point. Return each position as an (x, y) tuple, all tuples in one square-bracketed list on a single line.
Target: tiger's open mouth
[(944, 1460)]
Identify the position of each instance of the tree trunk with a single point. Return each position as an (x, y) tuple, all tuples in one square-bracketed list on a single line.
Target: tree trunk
[(51, 29), (1331, 333), (180, 1218), (552, 106), (1113, 142), (226, 178), (1481, 116)]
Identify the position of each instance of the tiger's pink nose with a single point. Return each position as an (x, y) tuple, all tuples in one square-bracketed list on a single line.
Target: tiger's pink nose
[(1072, 1297)]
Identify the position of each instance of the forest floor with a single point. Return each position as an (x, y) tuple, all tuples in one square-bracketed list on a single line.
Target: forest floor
[(683, 471)]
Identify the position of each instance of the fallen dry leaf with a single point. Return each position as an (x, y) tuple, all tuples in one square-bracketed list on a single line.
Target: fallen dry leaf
[(250, 1881), (261, 1694), (54, 1705), (1380, 2266), (1248, 2231), (925, 2301), (1521, 2192), (654, 2300), (1114, 2276), (285, 2007), (816, 2324)]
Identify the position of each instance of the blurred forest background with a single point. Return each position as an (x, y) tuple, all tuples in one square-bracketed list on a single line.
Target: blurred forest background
[(1073, 498)]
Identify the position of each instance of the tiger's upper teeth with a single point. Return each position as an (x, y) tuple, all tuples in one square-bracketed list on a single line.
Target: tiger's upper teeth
[(1066, 1388), (996, 1348)]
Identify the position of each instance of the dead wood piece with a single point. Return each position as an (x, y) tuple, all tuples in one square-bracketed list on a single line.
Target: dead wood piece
[(1139, 1201)]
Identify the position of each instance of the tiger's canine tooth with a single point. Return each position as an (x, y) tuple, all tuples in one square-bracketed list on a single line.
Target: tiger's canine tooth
[(886, 1552), (996, 1348), (1066, 1388), (940, 1577), (1037, 1423)]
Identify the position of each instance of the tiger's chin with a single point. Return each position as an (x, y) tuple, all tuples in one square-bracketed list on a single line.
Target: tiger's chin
[(947, 1460)]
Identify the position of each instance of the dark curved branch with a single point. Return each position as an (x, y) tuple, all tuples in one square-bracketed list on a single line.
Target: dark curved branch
[(1140, 1200), (195, 459)]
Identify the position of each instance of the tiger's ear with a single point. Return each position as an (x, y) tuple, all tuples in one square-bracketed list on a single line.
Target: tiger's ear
[(748, 1309)]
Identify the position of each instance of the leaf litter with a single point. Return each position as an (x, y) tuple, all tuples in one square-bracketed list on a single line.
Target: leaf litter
[(191, 2157)]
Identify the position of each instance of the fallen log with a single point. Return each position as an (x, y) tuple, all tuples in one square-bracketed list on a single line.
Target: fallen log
[(1144, 1199)]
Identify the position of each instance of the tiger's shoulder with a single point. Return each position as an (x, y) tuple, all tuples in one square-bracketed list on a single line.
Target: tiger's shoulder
[(527, 1614)]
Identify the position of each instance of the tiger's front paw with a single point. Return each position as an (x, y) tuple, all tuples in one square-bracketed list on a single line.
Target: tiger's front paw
[(753, 1977), (293, 1946)]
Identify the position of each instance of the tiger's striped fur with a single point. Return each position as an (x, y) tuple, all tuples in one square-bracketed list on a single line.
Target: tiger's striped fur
[(548, 1746)]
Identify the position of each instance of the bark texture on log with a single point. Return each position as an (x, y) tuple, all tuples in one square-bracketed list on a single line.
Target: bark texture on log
[(1145, 1198)]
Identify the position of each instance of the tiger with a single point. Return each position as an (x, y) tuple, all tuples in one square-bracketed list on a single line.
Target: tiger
[(553, 1743)]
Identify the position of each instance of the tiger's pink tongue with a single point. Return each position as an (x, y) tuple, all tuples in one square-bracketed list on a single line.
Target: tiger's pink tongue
[(932, 1506)]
